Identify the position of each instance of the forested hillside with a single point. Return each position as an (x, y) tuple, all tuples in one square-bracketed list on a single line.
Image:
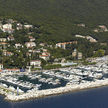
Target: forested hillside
[(58, 17)]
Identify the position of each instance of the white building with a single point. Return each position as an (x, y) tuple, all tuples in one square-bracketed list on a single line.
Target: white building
[(35, 63), (3, 45), (80, 55), (7, 28), (68, 64), (19, 26), (79, 36), (1, 66), (10, 38), (81, 25), (103, 28), (74, 53), (63, 45), (11, 70), (18, 45), (3, 39), (30, 44), (31, 38), (89, 38), (45, 56), (28, 26)]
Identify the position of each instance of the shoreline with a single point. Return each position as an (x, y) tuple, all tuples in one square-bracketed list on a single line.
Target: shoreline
[(56, 91), (36, 94)]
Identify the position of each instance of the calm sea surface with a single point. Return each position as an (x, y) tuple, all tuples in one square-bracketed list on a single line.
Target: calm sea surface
[(94, 98)]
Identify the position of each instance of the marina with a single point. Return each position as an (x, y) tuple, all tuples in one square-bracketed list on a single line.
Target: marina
[(28, 85)]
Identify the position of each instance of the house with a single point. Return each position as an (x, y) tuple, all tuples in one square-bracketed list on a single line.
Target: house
[(63, 45), (101, 28), (1, 66), (1, 25), (45, 56), (19, 26), (38, 51), (92, 40), (28, 26), (105, 44), (50, 46), (28, 54), (10, 38), (10, 21), (31, 38), (81, 25), (89, 38), (7, 28), (3, 39), (3, 45), (74, 53), (80, 55), (35, 63), (30, 44), (18, 45), (77, 55), (44, 50), (79, 36), (7, 53), (31, 52), (42, 44)]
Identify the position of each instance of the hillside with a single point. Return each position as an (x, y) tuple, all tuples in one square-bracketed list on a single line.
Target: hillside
[(58, 16)]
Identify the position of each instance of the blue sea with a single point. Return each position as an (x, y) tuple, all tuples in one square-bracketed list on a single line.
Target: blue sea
[(93, 98)]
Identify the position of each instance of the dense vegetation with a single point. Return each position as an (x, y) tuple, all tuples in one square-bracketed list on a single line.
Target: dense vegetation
[(54, 21), (58, 17)]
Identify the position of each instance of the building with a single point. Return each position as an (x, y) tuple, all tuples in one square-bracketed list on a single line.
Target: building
[(45, 56), (92, 40), (63, 45), (7, 53), (45, 50), (35, 63), (1, 66), (77, 55), (3, 45), (28, 26), (31, 38), (3, 39), (68, 64), (80, 55), (19, 26), (74, 53), (81, 25), (30, 44), (105, 44), (11, 70), (10, 38), (7, 28), (18, 45), (1, 25), (101, 28), (79, 36), (89, 38), (42, 44)]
